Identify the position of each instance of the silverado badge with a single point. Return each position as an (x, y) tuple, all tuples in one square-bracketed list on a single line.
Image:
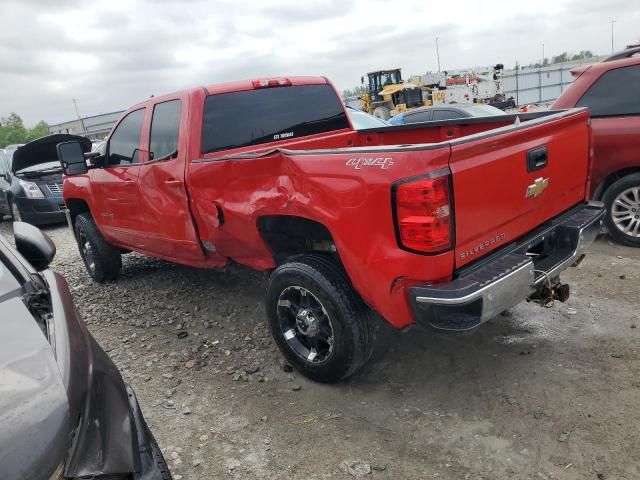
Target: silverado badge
[(538, 186)]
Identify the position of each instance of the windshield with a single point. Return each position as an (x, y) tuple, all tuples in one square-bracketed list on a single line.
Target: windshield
[(362, 120)]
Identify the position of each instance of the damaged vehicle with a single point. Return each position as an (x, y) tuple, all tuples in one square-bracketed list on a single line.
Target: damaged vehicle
[(31, 181), (65, 412), (443, 224)]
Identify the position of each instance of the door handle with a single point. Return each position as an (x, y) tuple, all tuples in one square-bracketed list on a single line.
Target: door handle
[(172, 182), (537, 158)]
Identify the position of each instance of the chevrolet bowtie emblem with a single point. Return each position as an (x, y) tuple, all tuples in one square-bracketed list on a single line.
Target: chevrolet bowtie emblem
[(538, 186)]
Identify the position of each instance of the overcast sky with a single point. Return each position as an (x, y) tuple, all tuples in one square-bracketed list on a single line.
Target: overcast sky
[(110, 54)]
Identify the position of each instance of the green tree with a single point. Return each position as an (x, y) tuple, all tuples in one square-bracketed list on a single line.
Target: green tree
[(582, 55), (12, 130), (355, 92), (40, 130), (563, 57)]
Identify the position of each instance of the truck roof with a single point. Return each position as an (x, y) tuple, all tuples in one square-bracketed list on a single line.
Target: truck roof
[(387, 70), (234, 86)]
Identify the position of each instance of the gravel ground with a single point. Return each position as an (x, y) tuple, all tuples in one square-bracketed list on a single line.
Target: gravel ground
[(535, 394)]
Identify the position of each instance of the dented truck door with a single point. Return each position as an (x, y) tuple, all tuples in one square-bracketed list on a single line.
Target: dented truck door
[(167, 224)]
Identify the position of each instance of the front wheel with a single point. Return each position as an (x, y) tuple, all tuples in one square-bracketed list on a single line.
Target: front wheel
[(317, 319), (622, 200), (102, 260)]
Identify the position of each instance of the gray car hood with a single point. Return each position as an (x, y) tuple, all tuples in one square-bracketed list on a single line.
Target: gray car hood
[(34, 409), (43, 150)]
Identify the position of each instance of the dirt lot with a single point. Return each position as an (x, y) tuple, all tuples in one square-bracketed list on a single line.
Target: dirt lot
[(537, 394)]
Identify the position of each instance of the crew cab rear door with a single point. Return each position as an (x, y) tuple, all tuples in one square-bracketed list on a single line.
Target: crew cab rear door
[(508, 181), (166, 221)]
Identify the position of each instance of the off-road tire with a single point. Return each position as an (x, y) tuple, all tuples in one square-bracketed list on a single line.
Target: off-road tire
[(354, 335), (382, 112), (107, 262), (614, 190)]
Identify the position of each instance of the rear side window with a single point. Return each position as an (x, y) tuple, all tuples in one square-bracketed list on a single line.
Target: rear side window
[(265, 115), (165, 126), (447, 115), (417, 117), (125, 141), (616, 92)]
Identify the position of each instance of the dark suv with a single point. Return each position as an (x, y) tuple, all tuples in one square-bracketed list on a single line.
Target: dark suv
[(31, 181), (611, 91)]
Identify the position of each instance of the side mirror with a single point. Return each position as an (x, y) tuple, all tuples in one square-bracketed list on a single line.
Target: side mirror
[(71, 158), (34, 245)]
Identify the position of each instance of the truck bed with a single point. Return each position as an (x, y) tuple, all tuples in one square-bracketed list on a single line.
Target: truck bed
[(488, 160), (344, 181)]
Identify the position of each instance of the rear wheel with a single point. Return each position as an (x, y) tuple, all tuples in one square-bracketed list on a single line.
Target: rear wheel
[(317, 319), (622, 200), (382, 112), (103, 261)]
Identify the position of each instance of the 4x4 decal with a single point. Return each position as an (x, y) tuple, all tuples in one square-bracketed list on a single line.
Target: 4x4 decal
[(358, 163)]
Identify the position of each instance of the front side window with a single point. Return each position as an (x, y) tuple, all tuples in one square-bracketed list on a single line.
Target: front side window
[(616, 92), (263, 115), (125, 142), (165, 126)]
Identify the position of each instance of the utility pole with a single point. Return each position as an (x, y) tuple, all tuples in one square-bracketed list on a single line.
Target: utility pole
[(612, 22), (438, 54), (540, 76), (517, 85), (75, 104)]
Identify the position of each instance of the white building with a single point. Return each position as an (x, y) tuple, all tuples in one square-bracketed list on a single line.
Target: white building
[(95, 127)]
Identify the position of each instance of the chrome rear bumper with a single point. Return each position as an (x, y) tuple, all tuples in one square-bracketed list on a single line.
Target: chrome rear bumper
[(509, 276)]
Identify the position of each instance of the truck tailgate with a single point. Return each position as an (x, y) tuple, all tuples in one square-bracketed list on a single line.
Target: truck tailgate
[(510, 180)]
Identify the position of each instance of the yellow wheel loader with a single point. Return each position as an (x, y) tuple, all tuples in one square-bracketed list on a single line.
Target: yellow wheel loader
[(387, 95)]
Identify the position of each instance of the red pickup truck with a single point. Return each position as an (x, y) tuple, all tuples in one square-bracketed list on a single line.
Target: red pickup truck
[(444, 224)]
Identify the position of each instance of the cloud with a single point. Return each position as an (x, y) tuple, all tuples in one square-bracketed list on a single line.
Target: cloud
[(108, 55)]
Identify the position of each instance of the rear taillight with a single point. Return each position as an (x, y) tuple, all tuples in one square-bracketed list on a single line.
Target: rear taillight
[(423, 214)]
